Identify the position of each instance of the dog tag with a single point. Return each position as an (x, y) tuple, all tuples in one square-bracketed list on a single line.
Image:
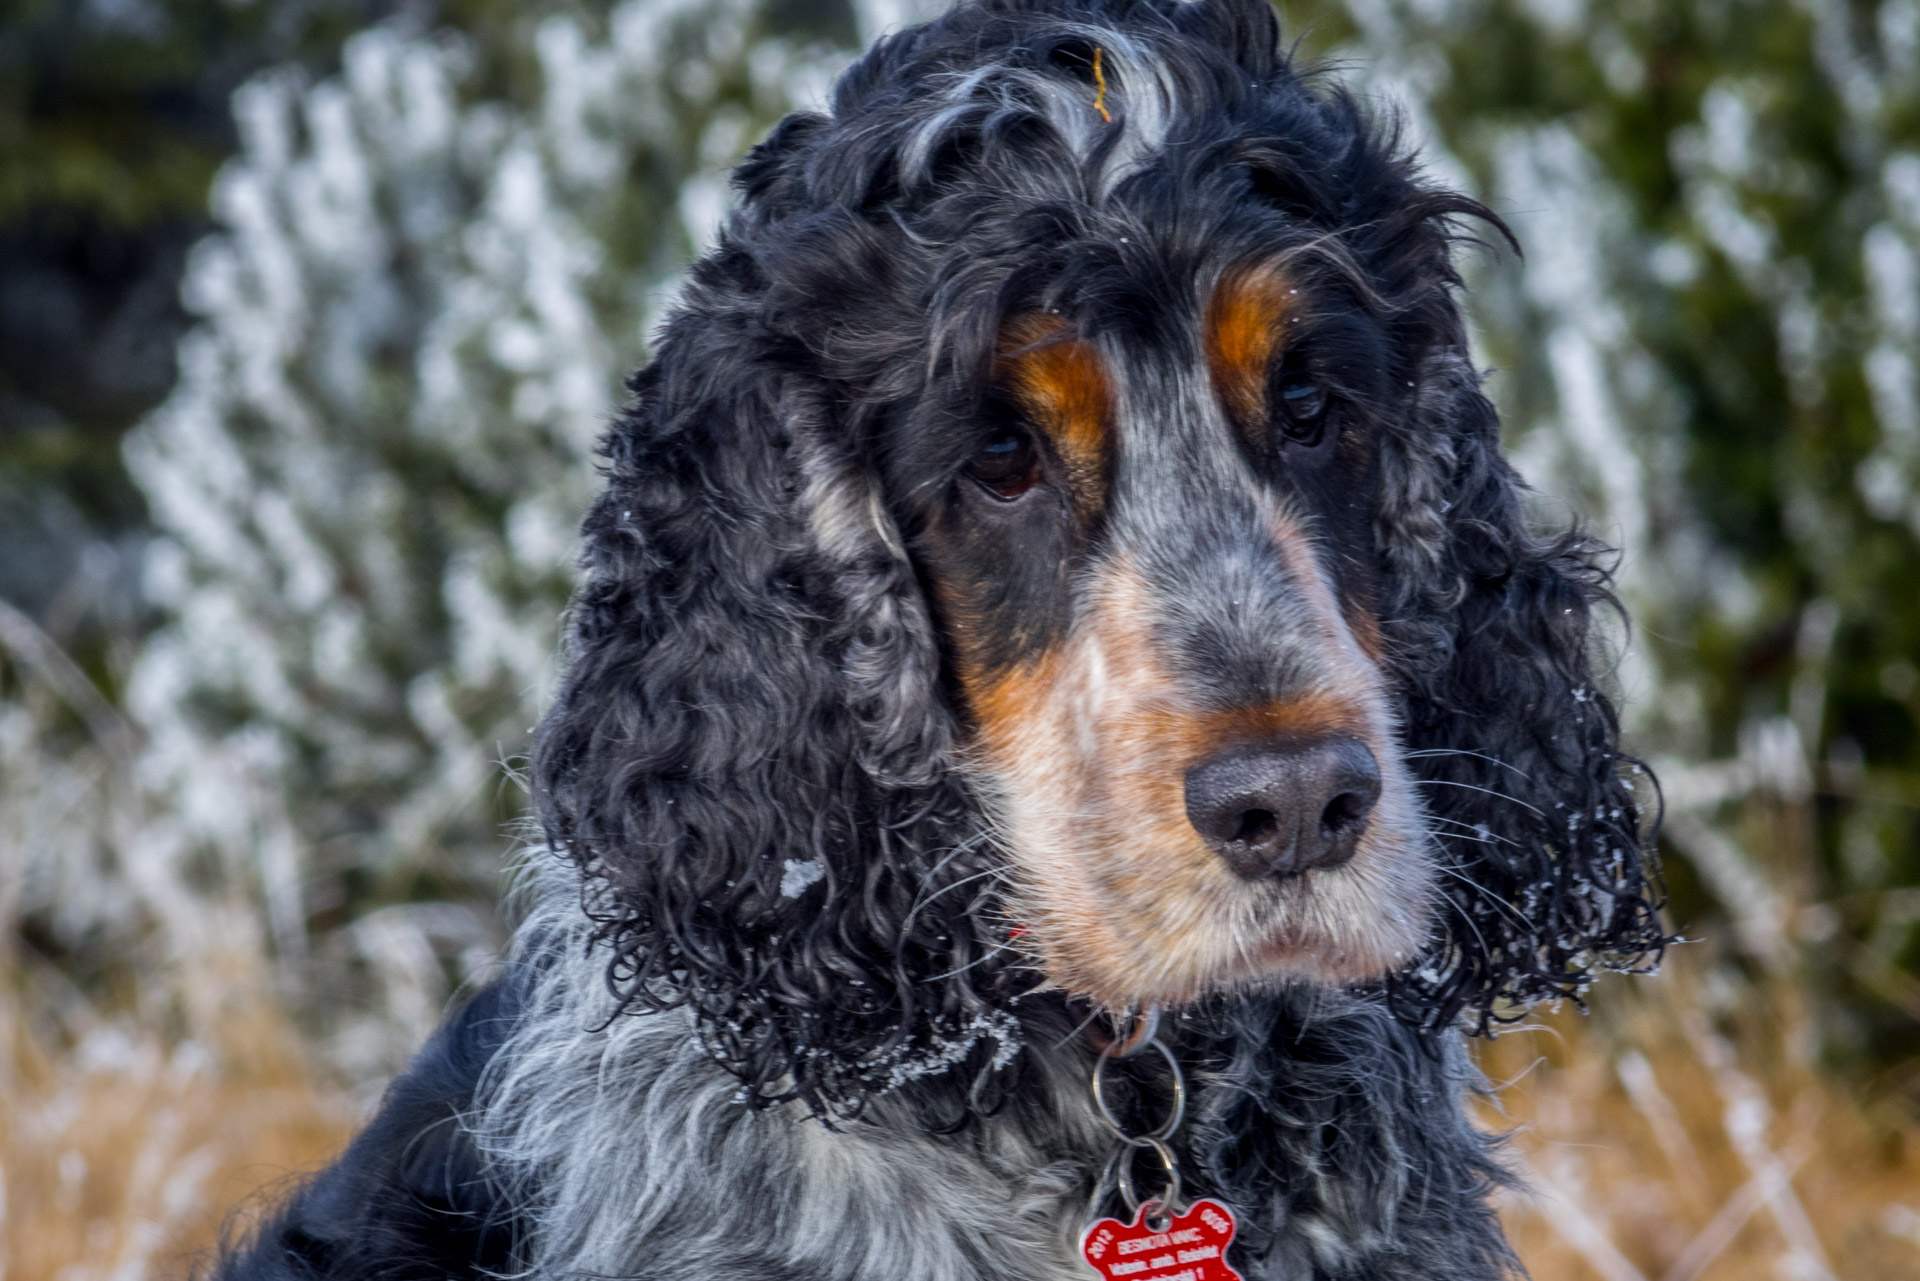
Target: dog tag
[(1192, 1248)]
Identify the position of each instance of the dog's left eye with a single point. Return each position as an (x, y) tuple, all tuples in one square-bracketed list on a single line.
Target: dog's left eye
[(1302, 404), (1007, 465)]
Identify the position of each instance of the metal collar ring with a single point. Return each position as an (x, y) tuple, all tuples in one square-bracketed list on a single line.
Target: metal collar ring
[(1179, 1109), (1145, 1031), (1168, 1202)]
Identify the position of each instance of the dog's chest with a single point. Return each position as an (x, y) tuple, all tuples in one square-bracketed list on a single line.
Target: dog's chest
[(667, 1176), (1001, 1205), (771, 1199)]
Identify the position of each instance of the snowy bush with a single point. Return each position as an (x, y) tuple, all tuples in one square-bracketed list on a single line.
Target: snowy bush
[(414, 321)]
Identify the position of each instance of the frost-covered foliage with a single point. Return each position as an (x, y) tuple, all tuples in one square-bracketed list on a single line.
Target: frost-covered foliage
[(1710, 355), (413, 322)]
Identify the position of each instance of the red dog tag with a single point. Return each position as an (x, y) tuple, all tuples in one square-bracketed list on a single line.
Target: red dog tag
[(1193, 1247)]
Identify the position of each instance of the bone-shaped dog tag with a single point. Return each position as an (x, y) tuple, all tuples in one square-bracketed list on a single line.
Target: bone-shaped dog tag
[(1193, 1247)]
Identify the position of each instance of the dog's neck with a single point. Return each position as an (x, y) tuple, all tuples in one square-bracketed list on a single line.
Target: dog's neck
[(628, 1151)]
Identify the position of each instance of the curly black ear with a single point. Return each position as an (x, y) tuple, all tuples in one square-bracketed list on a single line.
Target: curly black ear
[(750, 760), (1549, 874)]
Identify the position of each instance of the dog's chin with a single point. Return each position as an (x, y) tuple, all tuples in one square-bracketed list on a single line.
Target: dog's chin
[(1205, 936)]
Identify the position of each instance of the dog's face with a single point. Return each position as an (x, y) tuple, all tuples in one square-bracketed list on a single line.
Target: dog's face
[(1153, 561), (1072, 442)]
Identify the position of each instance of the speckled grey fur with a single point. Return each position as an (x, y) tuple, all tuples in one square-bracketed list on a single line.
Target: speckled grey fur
[(634, 1156)]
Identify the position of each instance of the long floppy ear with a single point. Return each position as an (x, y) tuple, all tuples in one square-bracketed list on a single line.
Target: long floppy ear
[(750, 760), (1548, 876)]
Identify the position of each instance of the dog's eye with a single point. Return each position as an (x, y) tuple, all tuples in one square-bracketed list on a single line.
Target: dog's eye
[(1302, 405), (1007, 465)]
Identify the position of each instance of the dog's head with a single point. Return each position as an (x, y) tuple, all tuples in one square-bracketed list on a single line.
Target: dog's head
[(1062, 539)]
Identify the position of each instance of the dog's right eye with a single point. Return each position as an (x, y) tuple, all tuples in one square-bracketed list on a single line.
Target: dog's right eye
[(1007, 465)]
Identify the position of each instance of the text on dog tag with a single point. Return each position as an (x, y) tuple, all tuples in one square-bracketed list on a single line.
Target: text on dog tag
[(1193, 1247)]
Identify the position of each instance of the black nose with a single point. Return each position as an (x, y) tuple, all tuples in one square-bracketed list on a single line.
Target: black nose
[(1284, 805)]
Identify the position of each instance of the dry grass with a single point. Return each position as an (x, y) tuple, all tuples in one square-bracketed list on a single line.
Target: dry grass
[(1681, 1133), (1676, 1135), (121, 1155)]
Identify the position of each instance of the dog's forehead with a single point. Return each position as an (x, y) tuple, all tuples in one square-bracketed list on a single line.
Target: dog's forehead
[(1115, 102), (1087, 117)]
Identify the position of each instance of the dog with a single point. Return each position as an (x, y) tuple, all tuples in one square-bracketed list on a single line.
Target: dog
[(1057, 590)]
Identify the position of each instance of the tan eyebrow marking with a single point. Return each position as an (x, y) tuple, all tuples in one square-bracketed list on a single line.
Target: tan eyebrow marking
[(1245, 330), (1063, 385)]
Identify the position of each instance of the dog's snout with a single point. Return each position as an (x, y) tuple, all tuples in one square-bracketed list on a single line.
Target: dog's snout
[(1286, 805)]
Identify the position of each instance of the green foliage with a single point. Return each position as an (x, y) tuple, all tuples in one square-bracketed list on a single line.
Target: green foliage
[(113, 120), (1752, 187), (114, 117)]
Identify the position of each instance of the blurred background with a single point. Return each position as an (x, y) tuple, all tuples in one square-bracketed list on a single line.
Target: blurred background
[(311, 310)]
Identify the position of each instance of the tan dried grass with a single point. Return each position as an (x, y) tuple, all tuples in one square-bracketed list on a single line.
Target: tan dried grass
[(1677, 1134), (1683, 1133), (123, 1156)]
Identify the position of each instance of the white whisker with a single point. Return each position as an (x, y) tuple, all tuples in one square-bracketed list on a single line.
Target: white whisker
[(1461, 751), (1447, 782)]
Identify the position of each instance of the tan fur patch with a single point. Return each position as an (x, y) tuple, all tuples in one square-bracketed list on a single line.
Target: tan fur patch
[(1063, 385), (1365, 626), (1245, 332), (1193, 735)]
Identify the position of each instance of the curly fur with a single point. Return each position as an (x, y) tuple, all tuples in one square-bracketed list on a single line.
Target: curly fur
[(766, 1019)]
